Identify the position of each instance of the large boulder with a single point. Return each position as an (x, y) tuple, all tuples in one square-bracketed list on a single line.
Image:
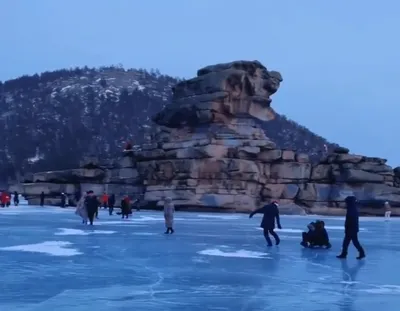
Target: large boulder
[(232, 89)]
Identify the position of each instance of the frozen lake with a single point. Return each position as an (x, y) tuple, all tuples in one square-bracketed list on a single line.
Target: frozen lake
[(49, 261)]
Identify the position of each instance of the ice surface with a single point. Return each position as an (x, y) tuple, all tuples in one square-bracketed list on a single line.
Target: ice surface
[(50, 261)]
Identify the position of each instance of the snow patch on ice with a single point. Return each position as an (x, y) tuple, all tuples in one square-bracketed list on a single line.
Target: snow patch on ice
[(53, 248), (67, 231), (384, 289), (237, 254)]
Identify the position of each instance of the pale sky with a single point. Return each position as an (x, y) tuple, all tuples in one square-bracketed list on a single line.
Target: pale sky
[(340, 60)]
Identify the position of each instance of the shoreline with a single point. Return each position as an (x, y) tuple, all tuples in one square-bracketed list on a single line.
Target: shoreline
[(307, 211)]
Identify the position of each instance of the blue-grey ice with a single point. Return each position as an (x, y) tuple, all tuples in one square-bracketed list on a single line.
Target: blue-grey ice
[(50, 261)]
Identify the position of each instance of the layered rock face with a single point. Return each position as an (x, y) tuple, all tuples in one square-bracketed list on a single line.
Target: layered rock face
[(207, 150), (118, 177)]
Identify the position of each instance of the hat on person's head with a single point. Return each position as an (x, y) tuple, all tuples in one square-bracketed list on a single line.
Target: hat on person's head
[(275, 202), (351, 199)]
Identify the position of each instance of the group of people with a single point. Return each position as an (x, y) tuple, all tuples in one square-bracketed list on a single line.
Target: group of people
[(88, 208), (5, 199), (316, 236)]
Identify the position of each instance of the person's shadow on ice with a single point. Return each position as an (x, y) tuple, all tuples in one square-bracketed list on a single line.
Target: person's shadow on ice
[(349, 276)]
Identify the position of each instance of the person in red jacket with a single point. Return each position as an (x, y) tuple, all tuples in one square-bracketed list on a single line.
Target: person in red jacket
[(104, 200), (3, 199), (8, 200)]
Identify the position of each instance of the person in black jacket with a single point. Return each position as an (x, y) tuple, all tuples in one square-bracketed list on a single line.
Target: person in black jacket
[(16, 198), (316, 235), (111, 203), (92, 205), (351, 228), (271, 213), (63, 199), (42, 199)]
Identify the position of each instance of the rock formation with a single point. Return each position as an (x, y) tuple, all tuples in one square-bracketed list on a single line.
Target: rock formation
[(118, 177), (210, 153)]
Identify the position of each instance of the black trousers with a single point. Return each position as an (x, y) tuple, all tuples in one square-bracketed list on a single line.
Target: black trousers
[(351, 237), (314, 240), (268, 232), (91, 215)]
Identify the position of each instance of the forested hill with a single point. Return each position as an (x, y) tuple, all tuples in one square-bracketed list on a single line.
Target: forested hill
[(49, 121)]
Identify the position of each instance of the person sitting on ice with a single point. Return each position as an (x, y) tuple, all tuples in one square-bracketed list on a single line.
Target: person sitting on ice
[(316, 235)]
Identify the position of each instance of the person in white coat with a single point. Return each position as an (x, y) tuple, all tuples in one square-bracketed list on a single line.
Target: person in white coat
[(169, 210), (81, 209), (388, 210)]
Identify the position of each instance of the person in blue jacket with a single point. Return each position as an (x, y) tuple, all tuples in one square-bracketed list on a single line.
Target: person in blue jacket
[(271, 212), (351, 228)]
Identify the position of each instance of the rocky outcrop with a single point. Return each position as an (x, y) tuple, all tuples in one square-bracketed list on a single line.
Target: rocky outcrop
[(209, 152), (117, 177)]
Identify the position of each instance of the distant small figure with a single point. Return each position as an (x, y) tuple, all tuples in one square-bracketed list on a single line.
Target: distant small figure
[(271, 212), (316, 235), (128, 146), (63, 200), (169, 211), (111, 203), (125, 207), (42, 199), (92, 205), (388, 211), (81, 209), (16, 198), (8, 200), (351, 228), (3, 199), (104, 200), (78, 196)]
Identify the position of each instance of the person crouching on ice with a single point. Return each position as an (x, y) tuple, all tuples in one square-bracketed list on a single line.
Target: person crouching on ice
[(316, 235), (388, 210), (271, 212), (169, 210)]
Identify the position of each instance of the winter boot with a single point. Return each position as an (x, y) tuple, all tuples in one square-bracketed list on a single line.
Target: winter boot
[(343, 255)]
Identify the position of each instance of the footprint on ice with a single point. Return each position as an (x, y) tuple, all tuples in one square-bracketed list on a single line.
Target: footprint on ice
[(53, 248), (238, 254)]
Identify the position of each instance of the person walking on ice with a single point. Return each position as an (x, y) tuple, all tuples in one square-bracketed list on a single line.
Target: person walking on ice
[(351, 228), (169, 210), (271, 212), (388, 211), (81, 209)]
